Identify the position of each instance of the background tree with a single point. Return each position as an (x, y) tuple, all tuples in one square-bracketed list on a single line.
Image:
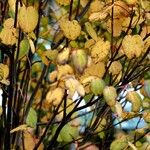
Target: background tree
[(54, 50)]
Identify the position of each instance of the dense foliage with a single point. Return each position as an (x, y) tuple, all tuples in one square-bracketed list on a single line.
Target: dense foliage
[(66, 67)]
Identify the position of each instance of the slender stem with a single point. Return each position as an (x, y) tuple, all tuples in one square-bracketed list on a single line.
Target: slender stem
[(112, 29), (70, 10), (10, 100), (35, 91)]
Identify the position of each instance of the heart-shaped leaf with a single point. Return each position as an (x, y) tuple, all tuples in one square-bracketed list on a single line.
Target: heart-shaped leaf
[(27, 18)]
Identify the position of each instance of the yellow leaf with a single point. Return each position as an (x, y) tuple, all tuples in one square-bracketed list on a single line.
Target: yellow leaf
[(64, 70), (19, 128), (96, 6), (71, 29), (55, 96), (110, 95), (135, 99), (71, 85), (32, 46), (101, 12), (131, 2), (98, 16), (8, 36), (74, 85), (9, 23), (48, 56), (118, 109), (63, 56), (133, 46), (89, 44), (93, 70), (80, 90), (1, 110), (4, 72), (53, 76), (12, 4), (28, 18), (63, 2), (115, 68), (100, 50), (83, 2), (30, 141), (88, 79), (146, 116), (132, 146), (121, 9)]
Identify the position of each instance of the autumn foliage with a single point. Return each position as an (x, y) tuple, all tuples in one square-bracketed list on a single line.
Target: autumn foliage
[(66, 67)]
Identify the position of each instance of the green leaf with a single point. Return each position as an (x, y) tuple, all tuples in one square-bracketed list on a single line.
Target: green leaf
[(87, 97), (68, 133), (44, 21), (118, 144), (91, 31), (24, 48), (79, 59), (97, 86), (59, 139), (31, 118)]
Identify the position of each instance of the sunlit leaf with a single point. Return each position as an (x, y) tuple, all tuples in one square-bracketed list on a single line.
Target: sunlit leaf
[(32, 46), (55, 96), (63, 56), (53, 76), (146, 116), (30, 141), (98, 16), (135, 99), (96, 6), (115, 68), (19, 128), (118, 109), (133, 46), (71, 29), (9, 23), (110, 95), (131, 2), (132, 145), (64, 70), (12, 4), (4, 72), (100, 50), (93, 70), (121, 9), (74, 85), (8, 36), (28, 18)]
